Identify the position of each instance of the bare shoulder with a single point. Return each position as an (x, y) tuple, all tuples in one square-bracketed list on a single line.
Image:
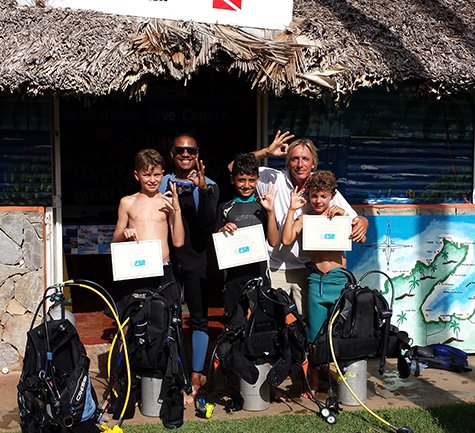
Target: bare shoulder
[(128, 200)]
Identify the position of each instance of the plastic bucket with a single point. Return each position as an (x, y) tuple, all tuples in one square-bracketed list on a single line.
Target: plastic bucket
[(150, 404), (256, 397), (355, 374)]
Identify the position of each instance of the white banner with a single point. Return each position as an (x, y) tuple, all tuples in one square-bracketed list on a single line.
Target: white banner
[(270, 14)]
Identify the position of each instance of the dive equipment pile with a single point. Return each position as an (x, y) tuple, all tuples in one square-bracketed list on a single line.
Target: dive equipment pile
[(55, 393)]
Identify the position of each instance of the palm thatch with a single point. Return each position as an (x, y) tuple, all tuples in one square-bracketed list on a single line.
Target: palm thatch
[(332, 45)]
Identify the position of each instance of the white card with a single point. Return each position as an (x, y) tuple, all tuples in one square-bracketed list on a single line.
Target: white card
[(132, 259), (241, 247), (323, 234)]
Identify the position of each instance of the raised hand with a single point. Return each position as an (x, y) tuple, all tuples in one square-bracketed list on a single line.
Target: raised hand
[(267, 198), (279, 146), (170, 198), (197, 175), (297, 200)]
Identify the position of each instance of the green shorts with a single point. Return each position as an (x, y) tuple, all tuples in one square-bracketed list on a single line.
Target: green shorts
[(323, 291)]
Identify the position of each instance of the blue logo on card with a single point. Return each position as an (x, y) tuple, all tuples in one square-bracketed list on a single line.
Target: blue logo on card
[(243, 250), (139, 262), (328, 236)]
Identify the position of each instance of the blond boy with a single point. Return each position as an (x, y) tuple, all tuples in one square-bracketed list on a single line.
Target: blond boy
[(150, 215)]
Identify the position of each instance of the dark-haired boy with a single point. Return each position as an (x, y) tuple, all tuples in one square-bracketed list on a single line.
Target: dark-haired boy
[(246, 209)]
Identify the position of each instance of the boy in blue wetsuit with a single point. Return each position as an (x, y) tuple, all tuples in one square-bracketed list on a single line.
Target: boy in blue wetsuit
[(245, 210), (327, 276)]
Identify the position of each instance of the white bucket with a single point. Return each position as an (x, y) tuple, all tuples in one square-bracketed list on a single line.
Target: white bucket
[(150, 404), (256, 397), (355, 374)]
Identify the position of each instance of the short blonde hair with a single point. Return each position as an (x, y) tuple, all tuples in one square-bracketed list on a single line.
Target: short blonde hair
[(302, 142), (148, 158)]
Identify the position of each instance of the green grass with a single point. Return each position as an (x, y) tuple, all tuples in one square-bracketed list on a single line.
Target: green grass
[(455, 418)]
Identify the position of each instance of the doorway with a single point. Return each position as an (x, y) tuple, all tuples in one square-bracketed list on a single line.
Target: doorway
[(99, 138)]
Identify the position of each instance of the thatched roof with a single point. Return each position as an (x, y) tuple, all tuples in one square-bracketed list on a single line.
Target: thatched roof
[(332, 45)]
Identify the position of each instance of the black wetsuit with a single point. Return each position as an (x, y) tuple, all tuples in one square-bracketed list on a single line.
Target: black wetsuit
[(198, 209), (243, 213)]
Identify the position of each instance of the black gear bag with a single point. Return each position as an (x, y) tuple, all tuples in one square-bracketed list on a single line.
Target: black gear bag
[(154, 340), (55, 393), (361, 328), (264, 327)]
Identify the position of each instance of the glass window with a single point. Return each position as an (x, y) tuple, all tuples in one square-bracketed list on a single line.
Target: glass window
[(388, 147), (25, 151)]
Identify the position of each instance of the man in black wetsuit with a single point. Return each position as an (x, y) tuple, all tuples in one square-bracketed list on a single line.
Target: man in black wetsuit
[(198, 197)]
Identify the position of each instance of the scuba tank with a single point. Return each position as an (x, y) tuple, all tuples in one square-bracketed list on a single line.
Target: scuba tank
[(57, 309)]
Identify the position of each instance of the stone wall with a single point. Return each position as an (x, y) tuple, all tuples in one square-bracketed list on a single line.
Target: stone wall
[(22, 262)]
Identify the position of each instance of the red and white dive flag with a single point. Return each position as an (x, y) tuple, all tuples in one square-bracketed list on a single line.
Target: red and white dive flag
[(232, 5)]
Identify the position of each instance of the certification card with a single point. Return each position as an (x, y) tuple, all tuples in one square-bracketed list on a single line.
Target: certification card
[(323, 234), (136, 259), (241, 247)]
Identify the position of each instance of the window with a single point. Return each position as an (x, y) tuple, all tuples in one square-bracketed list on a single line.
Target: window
[(388, 147), (25, 151)]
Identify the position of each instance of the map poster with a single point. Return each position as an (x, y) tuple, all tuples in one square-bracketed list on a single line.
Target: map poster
[(430, 261)]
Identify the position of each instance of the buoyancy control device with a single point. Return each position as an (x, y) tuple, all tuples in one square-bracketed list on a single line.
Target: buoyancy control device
[(264, 326)]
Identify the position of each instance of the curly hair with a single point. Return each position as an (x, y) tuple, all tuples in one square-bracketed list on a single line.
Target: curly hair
[(245, 163), (148, 158), (321, 180)]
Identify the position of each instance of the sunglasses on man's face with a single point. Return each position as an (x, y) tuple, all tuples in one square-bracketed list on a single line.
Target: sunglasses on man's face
[(180, 150)]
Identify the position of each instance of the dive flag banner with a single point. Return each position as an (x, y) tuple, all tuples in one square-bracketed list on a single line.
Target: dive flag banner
[(268, 14)]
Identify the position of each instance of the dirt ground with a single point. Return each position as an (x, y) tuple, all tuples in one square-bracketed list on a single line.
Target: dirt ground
[(433, 387)]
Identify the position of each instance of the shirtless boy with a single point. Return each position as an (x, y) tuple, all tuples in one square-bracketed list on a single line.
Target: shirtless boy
[(326, 277), (149, 215)]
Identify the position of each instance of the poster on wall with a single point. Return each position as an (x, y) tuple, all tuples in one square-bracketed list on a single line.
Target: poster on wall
[(87, 239), (430, 261)]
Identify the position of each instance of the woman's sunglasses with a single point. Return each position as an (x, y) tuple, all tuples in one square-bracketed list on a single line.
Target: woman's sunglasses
[(180, 150)]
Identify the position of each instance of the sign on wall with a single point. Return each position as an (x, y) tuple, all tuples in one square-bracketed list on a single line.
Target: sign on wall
[(87, 238), (431, 262), (271, 14)]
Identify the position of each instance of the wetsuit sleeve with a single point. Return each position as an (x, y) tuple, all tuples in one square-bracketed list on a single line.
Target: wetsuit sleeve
[(208, 204), (220, 220)]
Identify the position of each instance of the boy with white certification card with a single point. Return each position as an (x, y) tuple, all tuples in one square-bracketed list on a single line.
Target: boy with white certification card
[(327, 276)]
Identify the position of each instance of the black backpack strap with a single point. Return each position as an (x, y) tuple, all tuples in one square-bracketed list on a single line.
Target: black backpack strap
[(384, 315)]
